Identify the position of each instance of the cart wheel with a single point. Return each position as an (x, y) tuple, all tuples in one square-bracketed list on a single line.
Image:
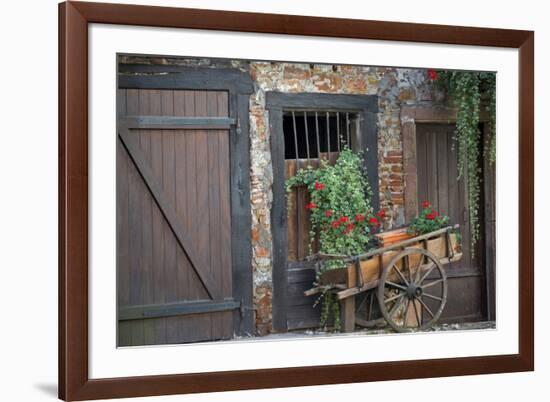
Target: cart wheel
[(413, 277)]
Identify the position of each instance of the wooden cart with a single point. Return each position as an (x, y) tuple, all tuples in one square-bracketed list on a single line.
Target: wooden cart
[(403, 284)]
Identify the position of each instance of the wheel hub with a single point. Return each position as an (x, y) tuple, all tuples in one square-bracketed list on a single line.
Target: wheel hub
[(414, 291)]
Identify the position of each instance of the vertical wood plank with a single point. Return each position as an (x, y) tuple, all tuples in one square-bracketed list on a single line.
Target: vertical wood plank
[(290, 171), (186, 326), (442, 169), (123, 269), (224, 207), (422, 185), (213, 206), (202, 223), (347, 313), (135, 187), (489, 171), (146, 256), (280, 218), (169, 186), (431, 168), (157, 220)]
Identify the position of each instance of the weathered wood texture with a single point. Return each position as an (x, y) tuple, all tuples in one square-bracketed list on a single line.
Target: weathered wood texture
[(438, 184), (154, 266)]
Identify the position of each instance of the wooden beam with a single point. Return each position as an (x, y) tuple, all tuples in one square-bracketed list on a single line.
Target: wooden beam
[(324, 102), (177, 123), (176, 308), (178, 77), (169, 212)]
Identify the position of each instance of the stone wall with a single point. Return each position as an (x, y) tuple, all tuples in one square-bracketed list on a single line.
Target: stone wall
[(394, 86)]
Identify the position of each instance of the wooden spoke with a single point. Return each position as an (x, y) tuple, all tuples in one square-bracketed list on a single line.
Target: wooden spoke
[(432, 297), (406, 313), (362, 302), (396, 305), (400, 274), (426, 307), (370, 305), (432, 267), (432, 283), (417, 272), (395, 285), (397, 296), (407, 266), (418, 320)]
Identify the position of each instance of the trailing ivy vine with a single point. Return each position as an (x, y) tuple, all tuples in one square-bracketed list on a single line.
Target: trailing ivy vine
[(467, 90)]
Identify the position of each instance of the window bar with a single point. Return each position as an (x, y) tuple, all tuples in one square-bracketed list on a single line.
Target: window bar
[(338, 129), (317, 137), (295, 139), (328, 135), (307, 137), (347, 130), (297, 191)]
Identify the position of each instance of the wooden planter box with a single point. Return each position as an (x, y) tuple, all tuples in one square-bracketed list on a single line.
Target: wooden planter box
[(371, 269)]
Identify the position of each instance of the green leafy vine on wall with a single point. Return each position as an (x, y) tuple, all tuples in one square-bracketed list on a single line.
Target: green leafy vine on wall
[(470, 92)]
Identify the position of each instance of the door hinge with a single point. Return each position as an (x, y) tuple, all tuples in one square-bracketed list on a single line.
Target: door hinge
[(243, 309), (238, 128)]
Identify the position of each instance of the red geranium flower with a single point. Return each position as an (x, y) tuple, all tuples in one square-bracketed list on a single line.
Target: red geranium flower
[(373, 221), (381, 214), (349, 228), (328, 213), (319, 186), (344, 219), (431, 216), (426, 204), (311, 205), (432, 74), (359, 218), (335, 224)]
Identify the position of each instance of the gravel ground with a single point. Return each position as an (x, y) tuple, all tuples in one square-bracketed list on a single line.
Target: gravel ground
[(484, 325)]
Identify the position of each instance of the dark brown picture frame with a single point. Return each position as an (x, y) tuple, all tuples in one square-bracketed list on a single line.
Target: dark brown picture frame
[(74, 382)]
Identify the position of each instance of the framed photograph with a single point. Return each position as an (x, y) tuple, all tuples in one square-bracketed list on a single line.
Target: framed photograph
[(260, 200)]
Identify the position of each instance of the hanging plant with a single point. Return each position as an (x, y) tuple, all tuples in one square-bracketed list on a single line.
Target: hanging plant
[(467, 89)]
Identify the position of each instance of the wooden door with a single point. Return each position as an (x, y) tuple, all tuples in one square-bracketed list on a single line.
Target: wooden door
[(173, 217), (438, 184)]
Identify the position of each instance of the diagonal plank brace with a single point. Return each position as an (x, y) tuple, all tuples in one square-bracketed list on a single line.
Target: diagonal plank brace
[(169, 212)]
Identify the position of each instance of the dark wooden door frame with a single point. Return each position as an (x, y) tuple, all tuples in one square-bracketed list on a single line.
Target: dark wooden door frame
[(239, 87), (367, 108), (410, 117)]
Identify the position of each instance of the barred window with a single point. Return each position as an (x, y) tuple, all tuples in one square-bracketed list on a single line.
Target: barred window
[(311, 134)]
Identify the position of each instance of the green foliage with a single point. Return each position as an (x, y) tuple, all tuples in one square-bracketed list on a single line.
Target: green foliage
[(340, 214), (466, 89), (330, 308), (339, 207), (428, 221)]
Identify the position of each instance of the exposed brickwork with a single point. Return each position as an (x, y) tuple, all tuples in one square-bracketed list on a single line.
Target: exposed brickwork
[(394, 86)]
